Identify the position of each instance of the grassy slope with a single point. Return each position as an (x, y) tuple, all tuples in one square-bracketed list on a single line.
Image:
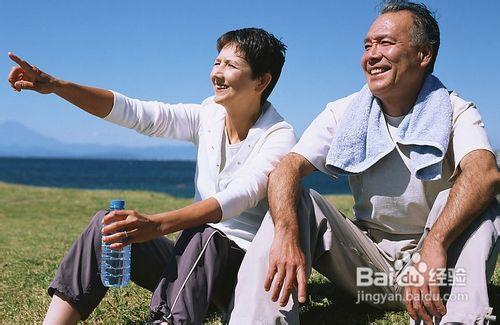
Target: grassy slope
[(37, 226)]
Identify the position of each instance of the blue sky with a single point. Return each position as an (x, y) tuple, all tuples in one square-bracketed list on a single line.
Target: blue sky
[(164, 50)]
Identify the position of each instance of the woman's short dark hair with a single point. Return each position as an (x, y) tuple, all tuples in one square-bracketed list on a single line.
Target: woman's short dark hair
[(426, 29), (263, 52)]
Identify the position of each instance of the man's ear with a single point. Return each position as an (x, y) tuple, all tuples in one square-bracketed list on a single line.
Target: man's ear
[(425, 54), (264, 81)]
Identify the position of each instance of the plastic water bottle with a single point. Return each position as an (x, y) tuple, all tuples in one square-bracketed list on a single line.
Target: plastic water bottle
[(115, 264)]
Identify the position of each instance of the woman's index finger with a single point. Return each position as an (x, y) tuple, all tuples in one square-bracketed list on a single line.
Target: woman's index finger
[(23, 64)]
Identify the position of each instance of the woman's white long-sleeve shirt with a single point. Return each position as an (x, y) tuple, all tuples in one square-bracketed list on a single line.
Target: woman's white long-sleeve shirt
[(241, 186)]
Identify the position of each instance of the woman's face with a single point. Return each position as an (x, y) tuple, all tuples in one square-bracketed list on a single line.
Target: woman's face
[(232, 80)]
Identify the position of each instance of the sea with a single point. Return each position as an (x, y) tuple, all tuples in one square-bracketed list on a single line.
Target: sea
[(172, 177)]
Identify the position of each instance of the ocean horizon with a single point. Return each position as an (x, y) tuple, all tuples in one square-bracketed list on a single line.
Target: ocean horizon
[(174, 177)]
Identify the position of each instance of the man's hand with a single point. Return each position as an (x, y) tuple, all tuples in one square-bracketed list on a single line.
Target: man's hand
[(470, 195), (287, 268), (26, 76), (424, 301)]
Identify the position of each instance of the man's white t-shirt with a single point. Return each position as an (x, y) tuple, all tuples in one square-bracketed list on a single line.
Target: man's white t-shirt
[(388, 197)]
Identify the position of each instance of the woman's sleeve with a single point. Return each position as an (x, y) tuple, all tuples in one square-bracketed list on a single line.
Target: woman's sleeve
[(250, 185), (155, 119)]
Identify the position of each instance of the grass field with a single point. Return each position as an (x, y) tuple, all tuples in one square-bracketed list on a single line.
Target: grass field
[(37, 226)]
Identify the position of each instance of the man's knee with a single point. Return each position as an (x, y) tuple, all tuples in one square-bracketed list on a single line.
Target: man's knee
[(486, 226), (479, 240), (437, 208)]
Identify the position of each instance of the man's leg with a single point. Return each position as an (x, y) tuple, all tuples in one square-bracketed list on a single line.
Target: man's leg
[(346, 250), (473, 255), (330, 242), (204, 269), (77, 282), (252, 304)]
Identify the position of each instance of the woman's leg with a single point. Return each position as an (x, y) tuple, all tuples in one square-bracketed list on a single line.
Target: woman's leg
[(77, 289), (205, 270), (61, 312)]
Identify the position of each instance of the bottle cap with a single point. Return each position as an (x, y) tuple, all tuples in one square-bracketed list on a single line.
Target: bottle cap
[(117, 204)]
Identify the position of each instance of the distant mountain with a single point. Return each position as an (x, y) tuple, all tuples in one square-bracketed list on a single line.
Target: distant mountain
[(17, 140)]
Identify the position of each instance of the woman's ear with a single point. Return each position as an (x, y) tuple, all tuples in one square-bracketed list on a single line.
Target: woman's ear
[(263, 82)]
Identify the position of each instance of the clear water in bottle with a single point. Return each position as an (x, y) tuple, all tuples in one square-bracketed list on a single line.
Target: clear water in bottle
[(115, 264)]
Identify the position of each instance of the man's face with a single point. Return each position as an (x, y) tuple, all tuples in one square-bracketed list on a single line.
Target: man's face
[(392, 65)]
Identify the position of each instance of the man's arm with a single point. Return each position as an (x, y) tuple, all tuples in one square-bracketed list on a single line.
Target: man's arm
[(470, 195), (95, 101), (287, 266)]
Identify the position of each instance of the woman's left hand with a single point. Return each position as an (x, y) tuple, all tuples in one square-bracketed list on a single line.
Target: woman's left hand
[(124, 227)]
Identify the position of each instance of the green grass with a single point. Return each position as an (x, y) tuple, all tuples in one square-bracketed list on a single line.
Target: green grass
[(37, 226)]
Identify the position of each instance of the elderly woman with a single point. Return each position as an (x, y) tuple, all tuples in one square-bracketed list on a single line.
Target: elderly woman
[(240, 138)]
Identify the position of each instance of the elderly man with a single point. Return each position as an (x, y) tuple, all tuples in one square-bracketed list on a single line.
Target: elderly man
[(424, 179)]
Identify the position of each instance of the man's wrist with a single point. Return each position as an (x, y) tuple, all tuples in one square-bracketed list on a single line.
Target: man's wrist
[(286, 231), (434, 240)]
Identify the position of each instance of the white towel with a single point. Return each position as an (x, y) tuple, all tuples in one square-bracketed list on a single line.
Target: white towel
[(362, 137)]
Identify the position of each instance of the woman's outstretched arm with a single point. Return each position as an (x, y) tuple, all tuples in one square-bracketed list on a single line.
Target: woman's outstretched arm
[(24, 76)]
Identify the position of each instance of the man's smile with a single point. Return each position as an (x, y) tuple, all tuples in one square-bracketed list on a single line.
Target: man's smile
[(377, 71)]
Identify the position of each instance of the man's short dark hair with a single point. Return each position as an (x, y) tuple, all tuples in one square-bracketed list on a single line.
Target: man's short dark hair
[(426, 29), (263, 52)]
